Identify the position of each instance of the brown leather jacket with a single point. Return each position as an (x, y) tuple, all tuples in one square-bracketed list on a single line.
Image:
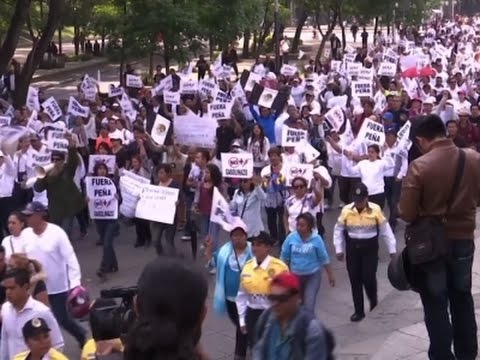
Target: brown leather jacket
[(427, 186)]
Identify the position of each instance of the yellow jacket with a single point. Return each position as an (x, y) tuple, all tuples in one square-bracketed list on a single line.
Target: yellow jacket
[(54, 355)]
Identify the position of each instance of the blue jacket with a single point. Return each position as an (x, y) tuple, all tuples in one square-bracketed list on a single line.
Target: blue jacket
[(304, 257), (267, 124)]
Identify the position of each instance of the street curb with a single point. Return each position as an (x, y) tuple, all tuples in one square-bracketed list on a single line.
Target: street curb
[(59, 72)]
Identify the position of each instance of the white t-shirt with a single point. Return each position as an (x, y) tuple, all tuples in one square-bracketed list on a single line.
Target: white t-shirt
[(13, 245), (372, 174)]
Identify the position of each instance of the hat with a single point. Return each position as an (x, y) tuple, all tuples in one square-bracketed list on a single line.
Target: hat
[(288, 281), (360, 192), (238, 224), (263, 238), (417, 99), (316, 111), (116, 135), (430, 100), (34, 327), (388, 116), (35, 207)]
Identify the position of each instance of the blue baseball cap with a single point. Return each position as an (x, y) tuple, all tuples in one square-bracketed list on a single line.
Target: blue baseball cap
[(34, 207)]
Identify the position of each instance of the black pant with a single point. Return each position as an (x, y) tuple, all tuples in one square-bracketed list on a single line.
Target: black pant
[(251, 319), (241, 340), (276, 227), (320, 227), (169, 231), (331, 190), (21, 197), (142, 229), (392, 195), (58, 304), (5, 209), (445, 285), (362, 263), (345, 187), (378, 199)]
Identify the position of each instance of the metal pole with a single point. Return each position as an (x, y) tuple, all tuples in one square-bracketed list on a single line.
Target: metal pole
[(277, 39), (453, 10)]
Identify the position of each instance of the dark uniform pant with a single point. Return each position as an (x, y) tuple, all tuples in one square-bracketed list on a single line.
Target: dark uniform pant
[(362, 263)]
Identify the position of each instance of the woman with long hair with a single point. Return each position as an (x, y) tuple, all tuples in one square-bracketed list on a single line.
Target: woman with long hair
[(170, 308), (258, 145), (14, 243)]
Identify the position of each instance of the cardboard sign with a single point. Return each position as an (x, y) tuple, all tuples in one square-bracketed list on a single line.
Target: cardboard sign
[(108, 160), (206, 87), (288, 70), (192, 130), (75, 109), (134, 81), (222, 96), (220, 110), (102, 202), (298, 170), (172, 98), (32, 99), (115, 91), (188, 86), (131, 186), (292, 137), (365, 74), (335, 118), (157, 203), (308, 151), (390, 56), (160, 129), (371, 132), (237, 165), (55, 141), (362, 89), (220, 213), (51, 107), (353, 69), (387, 69)]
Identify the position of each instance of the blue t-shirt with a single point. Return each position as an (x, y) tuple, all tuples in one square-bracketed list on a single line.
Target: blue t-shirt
[(232, 273)]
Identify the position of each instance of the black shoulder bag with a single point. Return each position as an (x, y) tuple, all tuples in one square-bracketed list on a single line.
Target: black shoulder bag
[(426, 238)]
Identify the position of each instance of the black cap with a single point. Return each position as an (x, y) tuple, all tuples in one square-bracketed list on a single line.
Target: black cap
[(34, 207), (360, 192), (34, 327), (263, 238)]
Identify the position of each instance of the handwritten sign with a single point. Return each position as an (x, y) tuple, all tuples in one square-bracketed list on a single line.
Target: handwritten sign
[(192, 130), (387, 69), (188, 86), (237, 165), (292, 137), (288, 70), (102, 200), (134, 81), (353, 69), (157, 203), (131, 186), (114, 91), (172, 98)]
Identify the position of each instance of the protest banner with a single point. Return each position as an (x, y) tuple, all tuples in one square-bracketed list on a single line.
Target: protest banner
[(288, 70), (403, 138), (335, 118), (51, 107), (371, 132), (192, 130), (115, 91), (387, 69), (32, 99), (353, 68), (362, 89), (237, 165), (157, 203), (126, 103), (220, 110), (55, 141), (75, 109), (220, 213), (131, 186), (102, 200), (298, 170), (108, 160), (206, 87), (292, 137), (134, 81), (160, 129), (172, 98), (5, 120)]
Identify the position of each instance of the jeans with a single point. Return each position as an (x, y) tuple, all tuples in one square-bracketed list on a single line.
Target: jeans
[(447, 285), (210, 228), (310, 287), (189, 198), (58, 303), (169, 230), (106, 230), (392, 195), (241, 341), (276, 226)]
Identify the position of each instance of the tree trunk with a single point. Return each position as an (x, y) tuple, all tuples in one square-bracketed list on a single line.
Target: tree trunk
[(150, 64), (262, 37), (104, 35), (375, 29), (246, 44), (210, 48), (17, 21), (36, 54), (344, 36), (325, 36), (60, 42), (76, 39), (298, 31), (166, 55), (255, 42)]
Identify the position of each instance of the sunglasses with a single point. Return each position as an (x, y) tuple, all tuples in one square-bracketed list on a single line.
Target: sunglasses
[(280, 298), (296, 187), (57, 159)]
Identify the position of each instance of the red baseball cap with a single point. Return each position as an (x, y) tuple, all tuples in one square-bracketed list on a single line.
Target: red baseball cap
[(287, 280)]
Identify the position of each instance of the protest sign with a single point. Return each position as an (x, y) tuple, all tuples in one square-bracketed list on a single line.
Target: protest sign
[(387, 69), (115, 91), (250, 81), (75, 109), (131, 186), (407, 62), (237, 165), (238, 92), (188, 86), (5, 120), (353, 68), (288, 70), (298, 170), (206, 87), (32, 99), (371, 132), (51, 107), (365, 74), (336, 65), (10, 111), (220, 110), (192, 130), (160, 129), (126, 103), (40, 158), (55, 141), (362, 89), (172, 98), (222, 96), (349, 59), (390, 56), (108, 160), (134, 81), (335, 118), (403, 138), (157, 203), (102, 200), (220, 213), (308, 151), (292, 137)]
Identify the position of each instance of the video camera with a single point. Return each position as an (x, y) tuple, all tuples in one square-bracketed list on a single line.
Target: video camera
[(123, 315)]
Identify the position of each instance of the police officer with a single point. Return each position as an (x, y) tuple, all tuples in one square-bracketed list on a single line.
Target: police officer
[(356, 235)]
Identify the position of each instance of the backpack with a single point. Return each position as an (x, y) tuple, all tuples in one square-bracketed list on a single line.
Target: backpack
[(300, 331)]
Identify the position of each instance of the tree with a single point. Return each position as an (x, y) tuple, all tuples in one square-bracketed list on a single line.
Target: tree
[(106, 20)]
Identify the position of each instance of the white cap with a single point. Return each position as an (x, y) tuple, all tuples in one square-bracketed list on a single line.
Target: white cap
[(271, 76), (238, 223), (116, 135), (430, 100)]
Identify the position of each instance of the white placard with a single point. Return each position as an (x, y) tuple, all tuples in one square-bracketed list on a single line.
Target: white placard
[(115, 91), (403, 138), (5, 120), (335, 65), (160, 129), (362, 89), (188, 86), (206, 87), (220, 110), (288, 70), (126, 103), (32, 99), (390, 56), (172, 98), (308, 151), (157, 203), (298, 170), (387, 69), (353, 68), (222, 96), (237, 165), (371, 132), (220, 213), (335, 118), (292, 137), (55, 141), (51, 107), (134, 81), (75, 109), (365, 74), (40, 158), (108, 160), (102, 202), (131, 186), (407, 62), (192, 130)]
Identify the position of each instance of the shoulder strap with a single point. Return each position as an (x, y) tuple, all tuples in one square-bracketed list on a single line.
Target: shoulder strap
[(458, 176)]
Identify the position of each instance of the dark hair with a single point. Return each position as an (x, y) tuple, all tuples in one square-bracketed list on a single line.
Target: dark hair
[(2, 249), (375, 148), (165, 167), (97, 166), (22, 218), (261, 137), (299, 178), (251, 187), (105, 146), (170, 303), (263, 238), (137, 157), (103, 320), (215, 175), (451, 122), (205, 154), (308, 218), (275, 150), (21, 276), (139, 128), (430, 127)]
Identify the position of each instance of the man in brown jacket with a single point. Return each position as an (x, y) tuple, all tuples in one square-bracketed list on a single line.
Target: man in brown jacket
[(447, 281)]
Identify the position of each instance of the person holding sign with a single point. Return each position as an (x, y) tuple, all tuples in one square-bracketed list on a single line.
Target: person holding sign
[(258, 145)]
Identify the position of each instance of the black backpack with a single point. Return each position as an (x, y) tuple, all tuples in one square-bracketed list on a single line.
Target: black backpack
[(300, 331)]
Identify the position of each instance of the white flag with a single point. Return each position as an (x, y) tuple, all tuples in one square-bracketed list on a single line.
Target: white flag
[(220, 213), (301, 54), (76, 109), (32, 99)]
